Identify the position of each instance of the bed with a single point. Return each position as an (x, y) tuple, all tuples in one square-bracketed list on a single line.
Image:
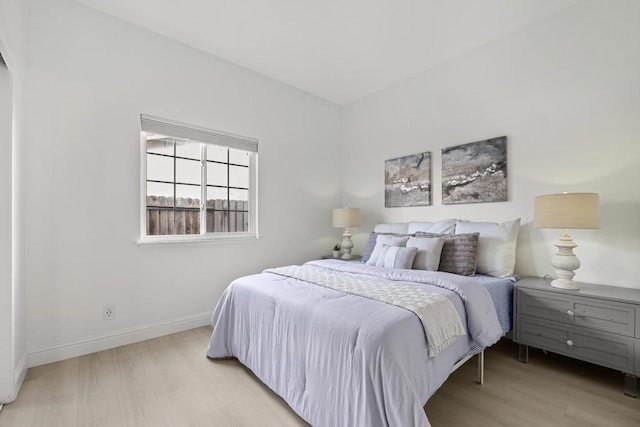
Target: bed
[(346, 344)]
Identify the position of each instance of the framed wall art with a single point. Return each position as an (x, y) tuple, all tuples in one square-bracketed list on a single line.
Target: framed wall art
[(407, 181), (475, 172)]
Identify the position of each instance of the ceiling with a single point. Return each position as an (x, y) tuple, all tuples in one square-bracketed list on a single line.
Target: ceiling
[(339, 50)]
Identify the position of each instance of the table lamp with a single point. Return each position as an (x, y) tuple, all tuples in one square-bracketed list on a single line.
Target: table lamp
[(564, 211), (346, 217)]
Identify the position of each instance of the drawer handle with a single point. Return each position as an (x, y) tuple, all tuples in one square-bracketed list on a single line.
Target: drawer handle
[(570, 343)]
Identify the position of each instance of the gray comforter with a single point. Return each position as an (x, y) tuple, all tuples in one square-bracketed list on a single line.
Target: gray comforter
[(344, 360)]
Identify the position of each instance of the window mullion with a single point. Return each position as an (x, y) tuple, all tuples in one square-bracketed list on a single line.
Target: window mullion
[(175, 188), (228, 192), (203, 188)]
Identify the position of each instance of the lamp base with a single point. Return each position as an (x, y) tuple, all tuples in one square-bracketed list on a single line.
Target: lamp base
[(564, 284), (565, 262), (346, 244)]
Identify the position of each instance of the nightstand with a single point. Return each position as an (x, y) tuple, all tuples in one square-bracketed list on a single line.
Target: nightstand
[(356, 258), (597, 324)]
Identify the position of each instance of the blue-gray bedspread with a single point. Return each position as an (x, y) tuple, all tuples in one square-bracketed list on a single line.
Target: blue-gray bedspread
[(340, 359)]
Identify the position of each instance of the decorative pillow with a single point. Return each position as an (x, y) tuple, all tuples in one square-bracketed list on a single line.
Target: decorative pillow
[(396, 257), (459, 252), (395, 228), (385, 239), (446, 226), (371, 243), (496, 245), (429, 251)]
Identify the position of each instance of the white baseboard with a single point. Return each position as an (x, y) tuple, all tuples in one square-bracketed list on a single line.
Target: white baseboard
[(42, 356), (21, 372)]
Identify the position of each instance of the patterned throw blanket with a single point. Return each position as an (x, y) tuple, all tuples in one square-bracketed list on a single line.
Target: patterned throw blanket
[(440, 320)]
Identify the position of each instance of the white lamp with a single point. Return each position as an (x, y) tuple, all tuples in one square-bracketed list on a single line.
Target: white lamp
[(346, 217), (564, 211)]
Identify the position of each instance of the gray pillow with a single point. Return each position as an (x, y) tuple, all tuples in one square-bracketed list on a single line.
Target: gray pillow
[(459, 252)]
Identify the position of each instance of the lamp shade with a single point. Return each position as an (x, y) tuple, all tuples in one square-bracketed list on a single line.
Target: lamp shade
[(567, 210), (346, 217)]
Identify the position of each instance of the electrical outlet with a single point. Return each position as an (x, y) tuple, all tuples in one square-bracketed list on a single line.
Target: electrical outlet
[(109, 312)]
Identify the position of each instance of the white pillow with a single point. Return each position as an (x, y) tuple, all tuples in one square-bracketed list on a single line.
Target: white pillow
[(445, 226), (396, 257), (496, 245), (383, 239), (429, 251), (395, 228)]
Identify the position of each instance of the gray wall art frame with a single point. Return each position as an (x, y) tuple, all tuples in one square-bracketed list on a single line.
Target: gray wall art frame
[(407, 181), (475, 172)]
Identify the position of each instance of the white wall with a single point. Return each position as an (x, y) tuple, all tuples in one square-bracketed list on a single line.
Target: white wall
[(565, 91), (88, 78)]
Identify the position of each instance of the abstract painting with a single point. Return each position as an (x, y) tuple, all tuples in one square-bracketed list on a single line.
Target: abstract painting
[(475, 172), (407, 181)]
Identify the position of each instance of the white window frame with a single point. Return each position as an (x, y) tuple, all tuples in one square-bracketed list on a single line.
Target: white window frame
[(172, 128)]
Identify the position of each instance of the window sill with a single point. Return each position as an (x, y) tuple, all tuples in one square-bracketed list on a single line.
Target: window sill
[(227, 237)]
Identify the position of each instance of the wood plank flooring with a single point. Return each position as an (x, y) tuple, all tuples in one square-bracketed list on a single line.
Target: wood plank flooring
[(550, 390), (169, 381)]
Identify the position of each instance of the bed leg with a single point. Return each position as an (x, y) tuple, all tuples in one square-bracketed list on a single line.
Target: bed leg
[(481, 367)]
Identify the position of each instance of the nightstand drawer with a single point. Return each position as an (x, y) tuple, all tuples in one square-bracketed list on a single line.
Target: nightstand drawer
[(543, 334), (545, 305), (611, 317), (618, 318), (598, 347), (605, 349)]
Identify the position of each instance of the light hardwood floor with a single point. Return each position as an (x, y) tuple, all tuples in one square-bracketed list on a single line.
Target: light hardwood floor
[(169, 381)]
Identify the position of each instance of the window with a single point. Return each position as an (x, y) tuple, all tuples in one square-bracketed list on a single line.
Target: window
[(197, 183)]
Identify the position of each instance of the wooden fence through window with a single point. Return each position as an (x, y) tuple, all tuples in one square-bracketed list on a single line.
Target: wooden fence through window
[(223, 216)]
